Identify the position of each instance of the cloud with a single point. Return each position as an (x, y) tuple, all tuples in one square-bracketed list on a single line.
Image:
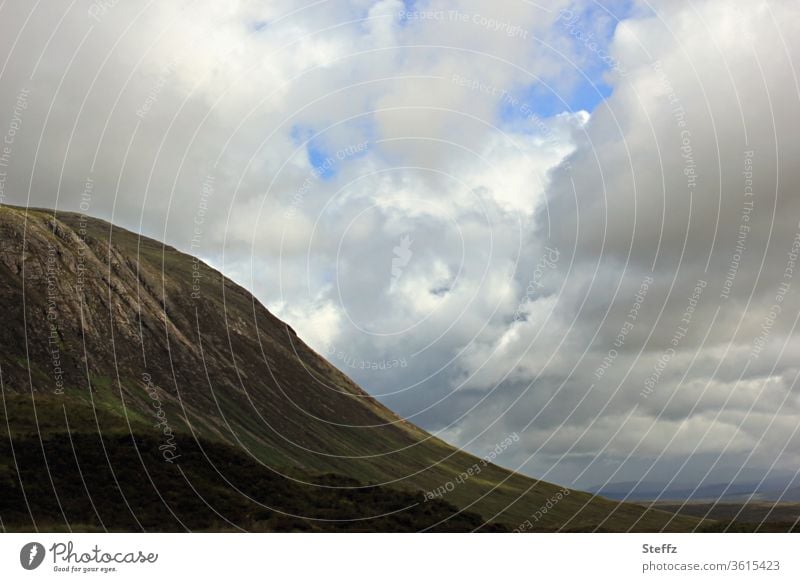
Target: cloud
[(684, 174)]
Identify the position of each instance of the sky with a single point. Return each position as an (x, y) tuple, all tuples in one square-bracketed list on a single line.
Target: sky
[(574, 221)]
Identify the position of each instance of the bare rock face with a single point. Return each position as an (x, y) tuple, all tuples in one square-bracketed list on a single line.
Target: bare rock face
[(89, 306)]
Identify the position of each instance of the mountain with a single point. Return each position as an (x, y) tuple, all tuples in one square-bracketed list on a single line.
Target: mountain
[(142, 389)]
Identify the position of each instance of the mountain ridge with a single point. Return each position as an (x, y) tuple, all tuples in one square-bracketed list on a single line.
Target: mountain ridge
[(122, 324)]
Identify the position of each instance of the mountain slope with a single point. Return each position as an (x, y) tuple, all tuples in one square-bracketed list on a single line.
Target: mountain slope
[(116, 334)]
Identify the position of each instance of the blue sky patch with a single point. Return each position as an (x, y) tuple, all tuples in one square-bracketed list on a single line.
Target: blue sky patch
[(586, 89), (325, 158), (520, 107), (322, 160)]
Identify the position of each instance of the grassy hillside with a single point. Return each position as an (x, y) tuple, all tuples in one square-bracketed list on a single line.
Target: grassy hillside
[(754, 516), (119, 482)]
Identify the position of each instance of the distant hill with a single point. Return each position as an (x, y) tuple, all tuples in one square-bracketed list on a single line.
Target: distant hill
[(144, 390), (773, 488)]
